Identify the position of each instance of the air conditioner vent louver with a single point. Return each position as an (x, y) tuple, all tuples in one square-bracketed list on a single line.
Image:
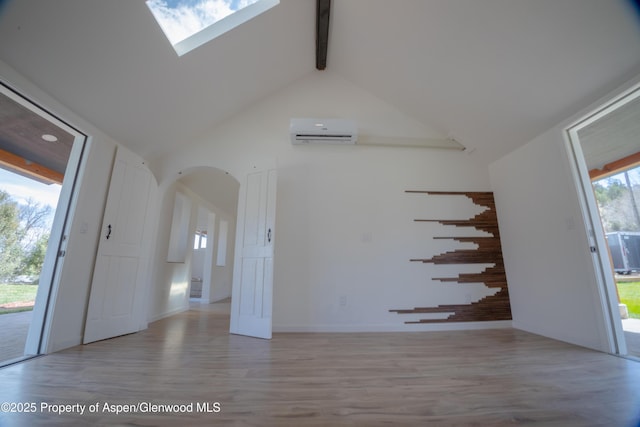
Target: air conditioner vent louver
[(323, 131)]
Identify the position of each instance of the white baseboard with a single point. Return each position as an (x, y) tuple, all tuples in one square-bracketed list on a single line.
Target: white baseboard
[(167, 314), (555, 335), (395, 327), (64, 344)]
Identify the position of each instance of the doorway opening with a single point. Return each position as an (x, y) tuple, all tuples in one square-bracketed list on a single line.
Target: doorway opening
[(39, 155), (617, 190), (248, 261), (202, 259), (607, 154), (212, 195)]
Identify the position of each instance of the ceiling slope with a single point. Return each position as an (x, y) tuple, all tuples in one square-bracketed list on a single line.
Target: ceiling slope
[(490, 73), (110, 62)]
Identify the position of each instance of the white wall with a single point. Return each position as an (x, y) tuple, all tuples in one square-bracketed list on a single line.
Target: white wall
[(197, 263), (551, 277), (169, 293), (69, 311), (222, 275), (345, 229), (552, 282)]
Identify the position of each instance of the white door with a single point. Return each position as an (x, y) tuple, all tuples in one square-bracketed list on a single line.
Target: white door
[(252, 294), (117, 290)]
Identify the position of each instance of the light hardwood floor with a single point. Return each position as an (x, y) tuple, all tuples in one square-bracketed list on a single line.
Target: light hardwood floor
[(482, 378)]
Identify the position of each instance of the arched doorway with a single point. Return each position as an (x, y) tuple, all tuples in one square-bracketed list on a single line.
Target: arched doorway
[(196, 239), (216, 205)]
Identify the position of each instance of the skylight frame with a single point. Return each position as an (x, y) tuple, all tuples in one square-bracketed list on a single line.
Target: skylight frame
[(219, 27)]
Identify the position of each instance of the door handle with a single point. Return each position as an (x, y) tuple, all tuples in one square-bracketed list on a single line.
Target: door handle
[(269, 236), (108, 231)]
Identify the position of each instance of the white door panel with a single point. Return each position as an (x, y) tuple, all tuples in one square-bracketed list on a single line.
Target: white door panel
[(118, 280), (252, 295)]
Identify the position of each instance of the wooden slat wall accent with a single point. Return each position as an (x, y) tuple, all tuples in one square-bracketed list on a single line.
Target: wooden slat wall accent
[(494, 307)]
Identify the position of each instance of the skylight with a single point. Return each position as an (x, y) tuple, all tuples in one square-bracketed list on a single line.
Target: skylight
[(189, 24)]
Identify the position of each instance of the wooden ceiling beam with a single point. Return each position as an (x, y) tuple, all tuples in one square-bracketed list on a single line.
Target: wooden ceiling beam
[(615, 167), (322, 33), (24, 167)]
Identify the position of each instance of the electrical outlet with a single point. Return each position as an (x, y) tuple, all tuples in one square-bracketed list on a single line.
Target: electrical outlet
[(343, 300)]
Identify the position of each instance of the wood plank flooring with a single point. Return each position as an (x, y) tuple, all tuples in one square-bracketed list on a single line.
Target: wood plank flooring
[(465, 378)]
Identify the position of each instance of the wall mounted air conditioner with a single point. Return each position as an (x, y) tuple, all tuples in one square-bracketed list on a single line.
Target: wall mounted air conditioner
[(323, 131)]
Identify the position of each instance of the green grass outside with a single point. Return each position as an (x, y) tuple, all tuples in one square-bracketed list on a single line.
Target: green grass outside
[(16, 293), (630, 295)]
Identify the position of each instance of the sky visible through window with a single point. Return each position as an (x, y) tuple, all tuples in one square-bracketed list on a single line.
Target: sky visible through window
[(634, 177), (181, 19), (22, 189), (618, 210)]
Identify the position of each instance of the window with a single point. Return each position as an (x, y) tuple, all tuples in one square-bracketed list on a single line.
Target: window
[(189, 24), (200, 240)]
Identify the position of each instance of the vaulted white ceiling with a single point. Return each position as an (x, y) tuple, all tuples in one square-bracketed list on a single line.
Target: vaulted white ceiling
[(491, 73)]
